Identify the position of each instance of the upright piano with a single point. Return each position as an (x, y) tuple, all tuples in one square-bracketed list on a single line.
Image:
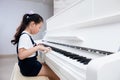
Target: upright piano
[(89, 53), (85, 49)]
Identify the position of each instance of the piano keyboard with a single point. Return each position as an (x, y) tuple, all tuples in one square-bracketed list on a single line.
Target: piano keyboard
[(73, 56), (70, 62), (68, 50)]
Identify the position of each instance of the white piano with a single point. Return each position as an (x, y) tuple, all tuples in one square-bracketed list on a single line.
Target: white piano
[(86, 49), (80, 63)]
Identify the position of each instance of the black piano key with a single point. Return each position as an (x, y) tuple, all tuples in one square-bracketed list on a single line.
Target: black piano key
[(87, 61), (74, 56), (81, 59)]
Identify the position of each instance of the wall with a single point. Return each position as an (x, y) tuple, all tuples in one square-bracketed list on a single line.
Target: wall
[(11, 12)]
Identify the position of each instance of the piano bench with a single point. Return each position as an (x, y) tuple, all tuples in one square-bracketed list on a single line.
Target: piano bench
[(16, 75)]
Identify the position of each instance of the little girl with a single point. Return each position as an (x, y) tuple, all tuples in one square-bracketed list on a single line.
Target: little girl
[(27, 50)]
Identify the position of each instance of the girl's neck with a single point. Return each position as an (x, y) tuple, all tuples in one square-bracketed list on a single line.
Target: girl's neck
[(28, 30)]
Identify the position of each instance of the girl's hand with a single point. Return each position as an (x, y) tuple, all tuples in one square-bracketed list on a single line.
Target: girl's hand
[(43, 48), (47, 49)]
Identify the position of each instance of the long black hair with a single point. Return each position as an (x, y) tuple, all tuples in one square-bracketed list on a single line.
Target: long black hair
[(27, 18)]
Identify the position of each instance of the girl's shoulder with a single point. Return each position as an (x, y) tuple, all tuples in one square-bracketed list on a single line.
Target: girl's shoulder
[(25, 37)]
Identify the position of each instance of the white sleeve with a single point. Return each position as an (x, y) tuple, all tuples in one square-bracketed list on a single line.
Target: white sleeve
[(25, 42)]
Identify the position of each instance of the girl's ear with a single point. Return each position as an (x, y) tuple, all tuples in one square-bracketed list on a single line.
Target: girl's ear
[(32, 24)]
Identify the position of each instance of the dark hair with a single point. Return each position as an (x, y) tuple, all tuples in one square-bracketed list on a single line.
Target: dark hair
[(27, 18)]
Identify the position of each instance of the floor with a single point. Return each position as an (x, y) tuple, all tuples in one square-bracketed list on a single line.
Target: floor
[(6, 66)]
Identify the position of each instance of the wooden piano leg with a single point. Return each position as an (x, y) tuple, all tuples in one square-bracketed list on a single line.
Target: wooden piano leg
[(46, 71)]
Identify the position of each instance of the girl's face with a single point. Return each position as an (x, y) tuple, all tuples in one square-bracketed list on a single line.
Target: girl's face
[(35, 28)]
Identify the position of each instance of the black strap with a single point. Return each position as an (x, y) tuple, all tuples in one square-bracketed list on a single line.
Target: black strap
[(34, 44)]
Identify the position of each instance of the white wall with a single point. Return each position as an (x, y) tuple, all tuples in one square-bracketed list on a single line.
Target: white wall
[(11, 12)]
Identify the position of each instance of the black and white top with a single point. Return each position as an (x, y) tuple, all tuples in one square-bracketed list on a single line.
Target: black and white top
[(25, 42)]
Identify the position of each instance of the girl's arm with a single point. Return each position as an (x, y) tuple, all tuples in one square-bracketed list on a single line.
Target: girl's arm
[(24, 53)]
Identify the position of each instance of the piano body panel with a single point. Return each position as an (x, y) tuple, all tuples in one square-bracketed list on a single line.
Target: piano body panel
[(105, 68), (103, 37)]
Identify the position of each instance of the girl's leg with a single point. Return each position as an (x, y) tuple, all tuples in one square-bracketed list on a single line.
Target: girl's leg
[(46, 71)]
